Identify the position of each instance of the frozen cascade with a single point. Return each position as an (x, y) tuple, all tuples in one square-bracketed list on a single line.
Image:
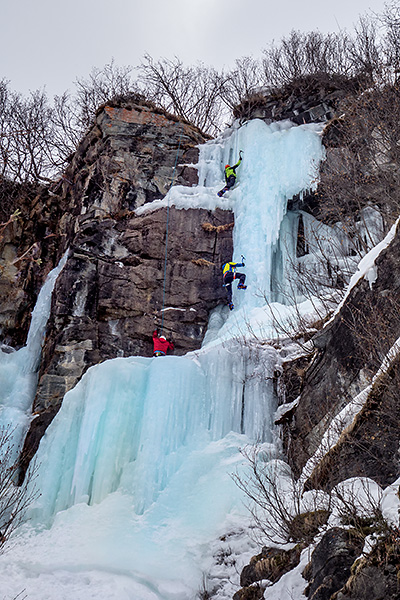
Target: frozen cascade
[(18, 369), (134, 471), (280, 161), (160, 412)]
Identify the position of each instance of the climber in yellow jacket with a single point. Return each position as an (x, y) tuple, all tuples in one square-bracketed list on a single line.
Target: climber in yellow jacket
[(230, 176), (229, 274)]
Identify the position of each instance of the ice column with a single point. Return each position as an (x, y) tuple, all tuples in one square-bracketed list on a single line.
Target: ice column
[(279, 161), (18, 370)]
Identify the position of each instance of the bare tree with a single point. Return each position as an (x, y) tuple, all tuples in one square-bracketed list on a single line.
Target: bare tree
[(192, 93), (102, 85), (37, 138), (277, 505), (301, 54), (68, 130), (26, 130), (246, 79), (364, 144), (365, 51), (14, 499), (390, 20)]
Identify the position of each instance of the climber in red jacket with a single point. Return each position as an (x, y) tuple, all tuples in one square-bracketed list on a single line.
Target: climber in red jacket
[(161, 344)]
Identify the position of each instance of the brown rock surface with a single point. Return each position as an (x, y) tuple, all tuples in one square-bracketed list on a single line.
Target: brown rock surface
[(29, 246), (109, 296), (270, 564)]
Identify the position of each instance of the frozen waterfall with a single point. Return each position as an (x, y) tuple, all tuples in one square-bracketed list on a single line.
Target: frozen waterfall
[(134, 471), (19, 369)]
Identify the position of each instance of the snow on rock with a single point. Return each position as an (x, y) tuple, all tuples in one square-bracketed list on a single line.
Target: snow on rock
[(366, 267)]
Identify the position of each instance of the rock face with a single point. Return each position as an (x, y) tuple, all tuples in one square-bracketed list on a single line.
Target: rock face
[(270, 564), (310, 99), (331, 561), (369, 447), (29, 246), (349, 352), (128, 159), (109, 297), (374, 577)]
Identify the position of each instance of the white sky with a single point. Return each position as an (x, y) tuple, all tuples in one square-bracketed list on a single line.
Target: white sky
[(48, 43)]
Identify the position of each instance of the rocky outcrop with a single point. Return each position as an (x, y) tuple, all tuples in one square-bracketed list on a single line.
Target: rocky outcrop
[(309, 99), (270, 564), (29, 246), (375, 576), (369, 447), (109, 297), (129, 158), (349, 351), (254, 592), (331, 561)]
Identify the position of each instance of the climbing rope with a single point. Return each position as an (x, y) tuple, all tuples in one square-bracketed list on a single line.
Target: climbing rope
[(167, 231)]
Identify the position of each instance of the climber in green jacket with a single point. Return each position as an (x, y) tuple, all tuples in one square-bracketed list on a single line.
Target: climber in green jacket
[(230, 176)]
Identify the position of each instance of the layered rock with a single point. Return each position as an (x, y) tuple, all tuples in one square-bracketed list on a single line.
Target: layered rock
[(112, 292), (29, 246), (374, 577), (109, 297), (309, 99), (270, 565)]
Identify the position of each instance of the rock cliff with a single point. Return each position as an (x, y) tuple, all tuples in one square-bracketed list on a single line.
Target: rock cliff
[(109, 297)]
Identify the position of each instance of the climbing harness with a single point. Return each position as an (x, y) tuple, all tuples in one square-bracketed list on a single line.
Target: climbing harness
[(167, 230)]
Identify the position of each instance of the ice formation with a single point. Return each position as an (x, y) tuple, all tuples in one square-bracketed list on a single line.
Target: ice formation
[(18, 369), (134, 471)]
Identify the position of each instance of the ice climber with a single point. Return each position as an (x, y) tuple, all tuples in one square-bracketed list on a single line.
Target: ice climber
[(230, 176), (161, 344), (229, 274)]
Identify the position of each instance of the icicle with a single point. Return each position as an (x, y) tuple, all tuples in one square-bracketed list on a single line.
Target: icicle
[(18, 370)]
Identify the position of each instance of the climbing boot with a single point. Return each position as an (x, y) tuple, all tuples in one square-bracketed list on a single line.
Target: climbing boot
[(242, 287)]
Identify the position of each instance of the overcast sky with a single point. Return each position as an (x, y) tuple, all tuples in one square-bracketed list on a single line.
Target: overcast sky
[(48, 43)]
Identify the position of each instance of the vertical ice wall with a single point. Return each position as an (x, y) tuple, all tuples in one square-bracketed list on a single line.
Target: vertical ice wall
[(132, 423), (279, 161), (18, 369)]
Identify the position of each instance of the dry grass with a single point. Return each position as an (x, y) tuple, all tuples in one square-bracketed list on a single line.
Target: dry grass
[(202, 262), (218, 229)]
